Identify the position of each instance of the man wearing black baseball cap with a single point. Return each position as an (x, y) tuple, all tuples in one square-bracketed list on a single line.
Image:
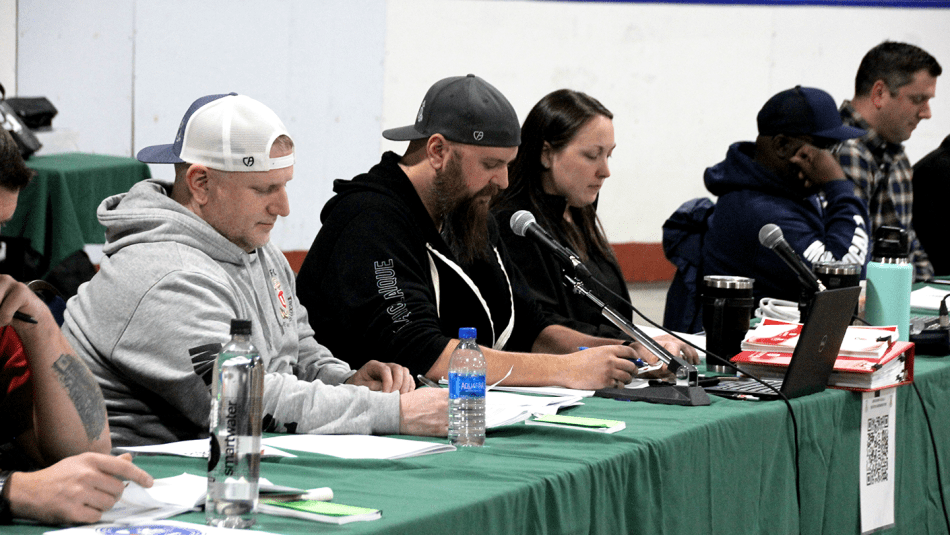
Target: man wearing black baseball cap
[(790, 179), (408, 254)]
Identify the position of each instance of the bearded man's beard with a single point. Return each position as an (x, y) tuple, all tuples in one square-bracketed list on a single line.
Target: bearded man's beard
[(464, 219)]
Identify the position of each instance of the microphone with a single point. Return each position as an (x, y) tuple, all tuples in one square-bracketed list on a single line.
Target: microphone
[(524, 224), (770, 235)]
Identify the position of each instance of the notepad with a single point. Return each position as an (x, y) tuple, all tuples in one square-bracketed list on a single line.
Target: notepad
[(578, 422), (318, 511)]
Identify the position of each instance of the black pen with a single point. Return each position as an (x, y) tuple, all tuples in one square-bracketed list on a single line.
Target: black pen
[(26, 318)]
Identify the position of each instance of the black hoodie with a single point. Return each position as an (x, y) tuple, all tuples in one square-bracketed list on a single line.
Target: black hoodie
[(381, 283)]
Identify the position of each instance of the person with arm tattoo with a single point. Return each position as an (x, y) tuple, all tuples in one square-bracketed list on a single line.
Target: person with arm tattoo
[(52, 414)]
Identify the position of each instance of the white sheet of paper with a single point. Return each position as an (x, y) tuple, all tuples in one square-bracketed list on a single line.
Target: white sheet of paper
[(139, 505), (358, 446), (558, 391), (184, 489), (653, 332), (876, 471), (545, 390), (192, 448), (170, 496), (505, 408), (162, 527), (927, 298)]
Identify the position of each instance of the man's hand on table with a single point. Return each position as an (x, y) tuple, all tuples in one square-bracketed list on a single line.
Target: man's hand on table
[(424, 412), (383, 377)]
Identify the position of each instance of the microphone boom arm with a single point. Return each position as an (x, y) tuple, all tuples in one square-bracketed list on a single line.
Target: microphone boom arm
[(673, 363)]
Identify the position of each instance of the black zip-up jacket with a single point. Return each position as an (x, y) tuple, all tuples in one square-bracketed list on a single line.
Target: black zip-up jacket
[(381, 283), (545, 274)]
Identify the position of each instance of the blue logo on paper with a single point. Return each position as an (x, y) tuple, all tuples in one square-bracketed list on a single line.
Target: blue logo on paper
[(153, 529), (466, 386)]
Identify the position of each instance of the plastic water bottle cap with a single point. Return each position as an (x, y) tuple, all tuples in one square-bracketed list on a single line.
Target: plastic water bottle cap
[(240, 326), (467, 332)]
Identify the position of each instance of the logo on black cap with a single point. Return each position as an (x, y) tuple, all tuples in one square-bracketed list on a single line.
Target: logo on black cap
[(478, 134), (421, 108)]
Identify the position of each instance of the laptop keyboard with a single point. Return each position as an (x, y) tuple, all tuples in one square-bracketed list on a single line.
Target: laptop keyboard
[(749, 386)]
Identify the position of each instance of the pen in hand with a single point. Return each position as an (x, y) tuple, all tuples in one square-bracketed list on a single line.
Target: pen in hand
[(26, 318), (426, 381)]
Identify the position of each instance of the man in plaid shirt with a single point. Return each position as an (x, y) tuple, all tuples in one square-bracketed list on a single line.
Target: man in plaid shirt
[(892, 93)]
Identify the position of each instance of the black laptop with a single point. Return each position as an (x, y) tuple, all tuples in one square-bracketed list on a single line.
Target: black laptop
[(814, 357)]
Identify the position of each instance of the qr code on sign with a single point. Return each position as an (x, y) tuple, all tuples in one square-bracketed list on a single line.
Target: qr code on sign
[(877, 450)]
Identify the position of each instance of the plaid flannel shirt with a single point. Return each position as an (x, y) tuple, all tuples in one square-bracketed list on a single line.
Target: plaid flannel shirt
[(882, 177)]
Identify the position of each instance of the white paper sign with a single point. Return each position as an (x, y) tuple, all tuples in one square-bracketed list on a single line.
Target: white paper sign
[(876, 475), (161, 527)]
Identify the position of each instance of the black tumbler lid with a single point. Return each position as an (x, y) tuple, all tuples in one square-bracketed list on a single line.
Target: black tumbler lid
[(890, 242), (239, 326)]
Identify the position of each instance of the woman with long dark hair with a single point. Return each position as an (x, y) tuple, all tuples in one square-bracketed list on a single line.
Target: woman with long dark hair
[(561, 165), (557, 175)]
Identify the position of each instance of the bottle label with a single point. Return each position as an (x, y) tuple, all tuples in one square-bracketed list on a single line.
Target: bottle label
[(466, 386)]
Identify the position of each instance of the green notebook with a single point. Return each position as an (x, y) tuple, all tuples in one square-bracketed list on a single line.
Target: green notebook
[(582, 423), (331, 513)]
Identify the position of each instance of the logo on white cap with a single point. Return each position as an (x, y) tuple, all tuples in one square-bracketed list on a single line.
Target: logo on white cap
[(249, 161)]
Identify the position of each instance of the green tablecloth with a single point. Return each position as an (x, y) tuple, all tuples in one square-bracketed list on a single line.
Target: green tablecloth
[(57, 210), (727, 468)]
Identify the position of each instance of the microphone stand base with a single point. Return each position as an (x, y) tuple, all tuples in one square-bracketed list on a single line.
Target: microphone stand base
[(692, 396)]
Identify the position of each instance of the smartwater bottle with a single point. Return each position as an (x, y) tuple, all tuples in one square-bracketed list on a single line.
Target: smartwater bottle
[(467, 392), (889, 280), (235, 424)]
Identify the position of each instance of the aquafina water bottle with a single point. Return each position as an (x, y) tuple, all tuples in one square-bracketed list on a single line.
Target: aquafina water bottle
[(467, 392)]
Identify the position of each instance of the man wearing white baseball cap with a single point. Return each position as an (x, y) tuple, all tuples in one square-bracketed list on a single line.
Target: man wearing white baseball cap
[(183, 259)]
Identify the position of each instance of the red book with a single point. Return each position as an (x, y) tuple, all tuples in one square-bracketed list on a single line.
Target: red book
[(895, 367), (859, 341)]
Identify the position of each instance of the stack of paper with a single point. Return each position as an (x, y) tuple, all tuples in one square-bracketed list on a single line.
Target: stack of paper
[(171, 496), (357, 446), (559, 391), (894, 368), (505, 408)]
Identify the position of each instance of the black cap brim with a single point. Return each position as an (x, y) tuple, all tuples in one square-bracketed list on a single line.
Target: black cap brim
[(403, 133)]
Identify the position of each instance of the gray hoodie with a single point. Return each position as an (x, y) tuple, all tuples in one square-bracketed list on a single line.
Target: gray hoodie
[(152, 320)]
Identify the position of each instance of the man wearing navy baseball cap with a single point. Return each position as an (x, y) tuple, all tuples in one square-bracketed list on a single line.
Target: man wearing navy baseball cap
[(788, 178), (408, 253), (183, 259)]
